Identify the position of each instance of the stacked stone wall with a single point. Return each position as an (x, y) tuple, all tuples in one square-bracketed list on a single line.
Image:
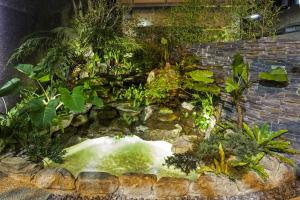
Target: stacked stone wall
[(278, 106)]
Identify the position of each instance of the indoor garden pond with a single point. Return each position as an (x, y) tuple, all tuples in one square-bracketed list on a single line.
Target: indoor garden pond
[(186, 100)]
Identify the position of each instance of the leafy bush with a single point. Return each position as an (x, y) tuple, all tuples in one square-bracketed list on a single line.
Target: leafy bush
[(232, 151), (205, 152), (14, 128)]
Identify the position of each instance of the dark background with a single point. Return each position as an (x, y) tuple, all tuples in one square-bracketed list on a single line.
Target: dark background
[(19, 18)]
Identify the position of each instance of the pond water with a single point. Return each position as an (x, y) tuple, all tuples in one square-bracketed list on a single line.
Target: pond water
[(121, 155)]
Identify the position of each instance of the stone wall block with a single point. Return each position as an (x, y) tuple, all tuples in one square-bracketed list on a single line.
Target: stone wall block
[(137, 186), (168, 187), (96, 184)]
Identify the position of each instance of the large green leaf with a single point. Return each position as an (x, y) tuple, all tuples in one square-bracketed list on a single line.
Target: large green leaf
[(74, 101), (201, 87), (245, 74), (98, 102), (284, 159), (277, 74), (238, 65), (248, 131), (9, 87), (27, 69), (256, 158), (231, 85), (277, 134), (43, 117), (237, 60), (204, 76), (260, 170)]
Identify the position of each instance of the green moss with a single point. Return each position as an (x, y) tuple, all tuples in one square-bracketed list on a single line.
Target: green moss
[(177, 173), (76, 162), (130, 158)]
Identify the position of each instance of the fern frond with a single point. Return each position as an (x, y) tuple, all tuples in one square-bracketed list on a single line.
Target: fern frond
[(26, 49)]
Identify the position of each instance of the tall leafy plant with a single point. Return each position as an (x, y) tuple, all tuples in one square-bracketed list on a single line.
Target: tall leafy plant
[(237, 84)]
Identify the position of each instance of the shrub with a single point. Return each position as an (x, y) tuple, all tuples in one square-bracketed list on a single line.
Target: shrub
[(206, 151)]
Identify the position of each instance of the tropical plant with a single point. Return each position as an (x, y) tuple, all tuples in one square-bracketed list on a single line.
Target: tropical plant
[(238, 84), (251, 162), (8, 88), (74, 101), (201, 81), (276, 74), (17, 131), (269, 142)]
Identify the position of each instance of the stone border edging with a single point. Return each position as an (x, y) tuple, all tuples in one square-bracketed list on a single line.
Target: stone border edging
[(147, 186)]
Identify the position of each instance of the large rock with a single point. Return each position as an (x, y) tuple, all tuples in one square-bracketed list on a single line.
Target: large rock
[(80, 120), (25, 193), (278, 174), (147, 113), (137, 185), (183, 144), (212, 186), (115, 127), (251, 182), (162, 134), (167, 117), (187, 106), (106, 113), (19, 168), (168, 187), (54, 178), (96, 184)]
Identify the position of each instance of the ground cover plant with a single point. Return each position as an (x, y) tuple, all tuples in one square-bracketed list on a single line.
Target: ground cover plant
[(92, 62)]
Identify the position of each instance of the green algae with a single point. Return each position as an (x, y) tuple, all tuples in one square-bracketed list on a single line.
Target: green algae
[(121, 155), (129, 158), (77, 162)]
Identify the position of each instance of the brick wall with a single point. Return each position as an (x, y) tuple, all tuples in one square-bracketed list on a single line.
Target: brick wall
[(279, 106)]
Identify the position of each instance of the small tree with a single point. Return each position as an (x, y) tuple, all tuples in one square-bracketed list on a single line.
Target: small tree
[(238, 84)]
